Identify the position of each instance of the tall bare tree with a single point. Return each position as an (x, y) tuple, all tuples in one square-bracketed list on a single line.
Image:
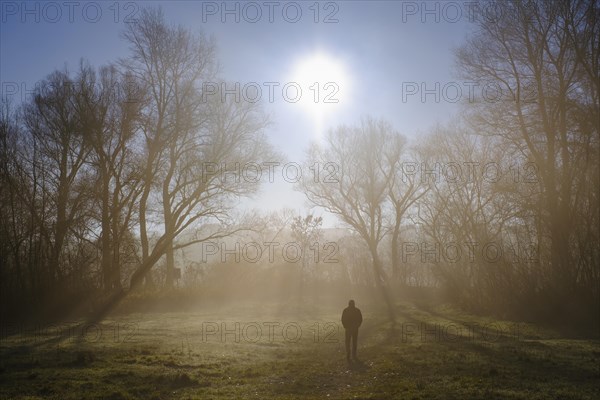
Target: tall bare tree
[(108, 105), (57, 153), (196, 146), (542, 57), (405, 188), (359, 184)]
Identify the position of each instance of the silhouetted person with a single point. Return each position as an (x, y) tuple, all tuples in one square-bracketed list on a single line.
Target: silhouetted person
[(351, 320)]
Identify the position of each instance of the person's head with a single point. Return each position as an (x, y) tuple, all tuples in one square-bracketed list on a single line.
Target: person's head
[(351, 303)]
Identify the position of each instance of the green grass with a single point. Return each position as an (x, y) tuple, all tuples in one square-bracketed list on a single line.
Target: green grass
[(167, 356)]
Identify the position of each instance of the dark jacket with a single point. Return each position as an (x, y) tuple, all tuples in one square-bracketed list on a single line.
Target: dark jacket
[(351, 318)]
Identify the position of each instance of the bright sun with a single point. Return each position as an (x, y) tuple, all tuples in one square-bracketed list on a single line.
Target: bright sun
[(324, 82)]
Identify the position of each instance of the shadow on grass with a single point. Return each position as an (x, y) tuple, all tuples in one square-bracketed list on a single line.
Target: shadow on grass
[(394, 363), (357, 365)]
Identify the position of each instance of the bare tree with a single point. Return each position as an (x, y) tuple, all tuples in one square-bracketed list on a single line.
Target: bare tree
[(16, 230), (469, 216), (108, 106), (543, 59), (57, 154), (405, 189), (192, 141), (307, 232), (358, 190)]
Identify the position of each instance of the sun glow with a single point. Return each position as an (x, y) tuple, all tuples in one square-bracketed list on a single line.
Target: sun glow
[(325, 85)]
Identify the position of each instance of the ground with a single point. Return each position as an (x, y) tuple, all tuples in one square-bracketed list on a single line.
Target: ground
[(271, 352)]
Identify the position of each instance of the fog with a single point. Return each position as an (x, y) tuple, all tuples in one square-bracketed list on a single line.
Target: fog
[(204, 188)]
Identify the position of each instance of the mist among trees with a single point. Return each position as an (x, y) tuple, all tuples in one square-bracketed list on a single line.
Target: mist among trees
[(108, 179)]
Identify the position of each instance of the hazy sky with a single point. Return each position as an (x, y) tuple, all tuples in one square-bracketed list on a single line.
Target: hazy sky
[(385, 48)]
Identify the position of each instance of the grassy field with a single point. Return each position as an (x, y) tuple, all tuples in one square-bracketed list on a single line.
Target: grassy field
[(270, 352)]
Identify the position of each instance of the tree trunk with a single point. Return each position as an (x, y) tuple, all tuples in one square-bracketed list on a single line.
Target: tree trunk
[(106, 237), (380, 282)]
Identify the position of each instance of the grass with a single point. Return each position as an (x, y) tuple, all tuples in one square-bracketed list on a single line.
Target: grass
[(432, 353)]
